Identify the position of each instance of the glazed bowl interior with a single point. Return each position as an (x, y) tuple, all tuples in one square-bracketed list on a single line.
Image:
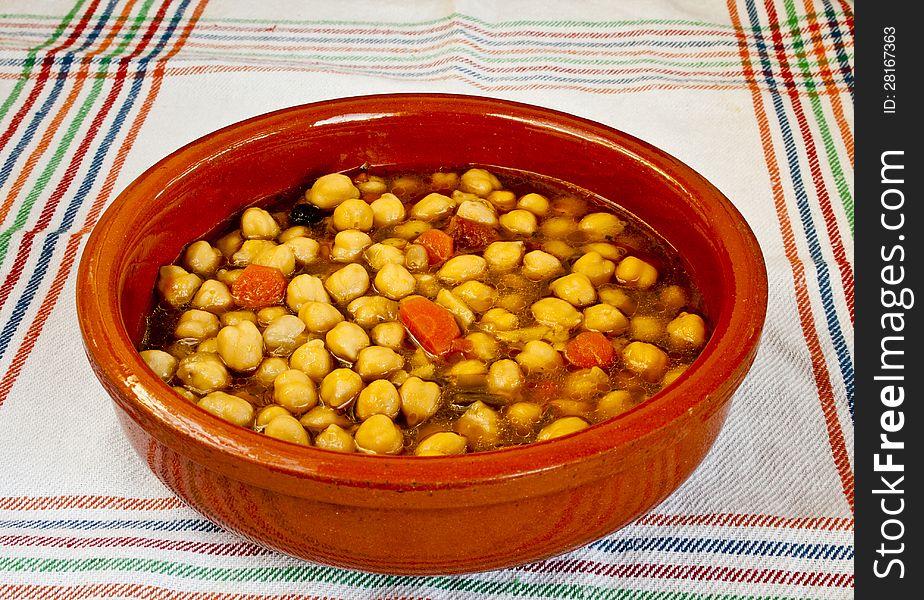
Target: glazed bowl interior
[(191, 192)]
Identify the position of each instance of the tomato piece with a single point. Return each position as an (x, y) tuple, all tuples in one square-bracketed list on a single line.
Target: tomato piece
[(470, 235), (439, 245), (590, 349), (259, 286), (431, 325)]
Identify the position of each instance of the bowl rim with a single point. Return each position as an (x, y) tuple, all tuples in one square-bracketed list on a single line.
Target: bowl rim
[(722, 364)]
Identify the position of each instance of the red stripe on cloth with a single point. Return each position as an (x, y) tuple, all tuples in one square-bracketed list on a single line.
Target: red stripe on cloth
[(836, 440), (208, 548), (133, 590), (745, 520), (29, 503)]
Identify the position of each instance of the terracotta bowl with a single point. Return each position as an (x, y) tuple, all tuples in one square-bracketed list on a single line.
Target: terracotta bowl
[(412, 515)]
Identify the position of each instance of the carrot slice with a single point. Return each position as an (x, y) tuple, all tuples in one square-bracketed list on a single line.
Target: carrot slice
[(590, 349), (259, 286), (430, 324), (439, 245)]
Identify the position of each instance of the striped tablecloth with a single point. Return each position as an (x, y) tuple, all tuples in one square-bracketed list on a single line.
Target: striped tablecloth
[(755, 94)]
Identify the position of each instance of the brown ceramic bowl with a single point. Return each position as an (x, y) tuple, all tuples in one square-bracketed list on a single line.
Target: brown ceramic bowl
[(415, 515)]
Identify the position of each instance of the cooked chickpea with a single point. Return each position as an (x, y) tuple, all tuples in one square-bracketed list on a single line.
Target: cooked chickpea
[(559, 249), (340, 388), (375, 362), (390, 335), (569, 205), (162, 363), (258, 224), (610, 252), (502, 256), (410, 230), (463, 314), (329, 191), (419, 400), (686, 332), (556, 313), (250, 250), (305, 250), (523, 417), (373, 184), (208, 345), (202, 259), (269, 369), (442, 443), (646, 328), (605, 318), (349, 246), (312, 358), (615, 403), (196, 324), (233, 409), (618, 298), (379, 435), (673, 298), (234, 317), (352, 214), (395, 282), (379, 255), (673, 374), (228, 276), (561, 427), (279, 257), (601, 226), (432, 207), (349, 283), (571, 408), (479, 182), (519, 222), (559, 228), (539, 357), (305, 288), (268, 314), (460, 269), (294, 391), (634, 272), (499, 319), (484, 345), (468, 373), (539, 265), (230, 243), (336, 439), (575, 288), (646, 359), (212, 296), (504, 378), (185, 393), (288, 429), (284, 334), (478, 211), (595, 267), (380, 397), (176, 285), (480, 425), (268, 413), (427, 284), (346, 339), (369, 311), (240, 346), (319, 317), (386, 210), (321, 417), (586, 384), (503, 199), (477, 295)]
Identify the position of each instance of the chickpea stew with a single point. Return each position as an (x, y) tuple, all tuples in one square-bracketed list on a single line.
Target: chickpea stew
[(425, 314)]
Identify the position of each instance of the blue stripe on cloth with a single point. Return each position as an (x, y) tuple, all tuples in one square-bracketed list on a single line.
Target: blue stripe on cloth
[(90, 525), (726, 546), (837, 37)]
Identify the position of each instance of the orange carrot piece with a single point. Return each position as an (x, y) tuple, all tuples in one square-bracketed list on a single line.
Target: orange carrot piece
[(590, 349), (430, 324), (439, 245), (259, 286)]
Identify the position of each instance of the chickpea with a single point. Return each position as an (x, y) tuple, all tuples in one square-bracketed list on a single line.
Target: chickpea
[(687, 331), (185, 393), (250, 250), (421, 366), (387, 210), (268, 370), (646, 328), (284, 334), (233, 409), (268, 314), (375, 362), (478, 211), (646, 359), (292, 233), (523, 416), (444, 181), (504, 378), (208, 345), (268, 413), (503, 199), (416, 258), (312, 358), (213, 296), (280, 257), (559, 228), (519, 222), (319, 317), (340, 388), (352, 214), (258, 224), (395, 282), (288, 429), (427, 284), (595, 267), (346, 339), (485, 346), (476, 295), (399, 377), (561, 427), (460, 269), (372, 185), (321, 417), (634, 272), (305, 250), (406, 185), (575, 288), (469, 373), (240, 346), (499, 319), (379, 255), (162, 363), (329, 191), (294, 391), (480, 425), (673, 298), (601, 226), (228, 276), (672, 375), (388, 335), (176, 285), (539, 357), (305, 288), (432, 207), (463, 314), (605, 318), (539, 265), (534, 203), (586, 384), (349, 246), (615, 403), (480, 182), (618, 298), (369, 311), (571, 408), (196, 324), (559, 249), (380, 397), (569, 205), (202, 259), (607, 251), (410, 230), (348, 283), (230, 243), (419, 400), (234, 317), (443, 443), (379, 435), (556, 313), (502, 256), (336, 439)]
